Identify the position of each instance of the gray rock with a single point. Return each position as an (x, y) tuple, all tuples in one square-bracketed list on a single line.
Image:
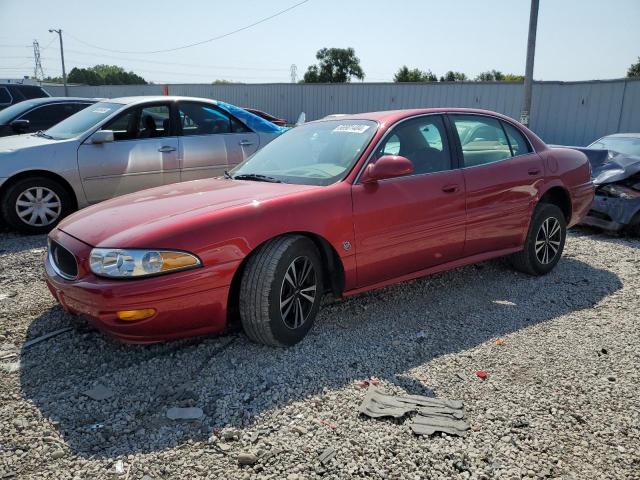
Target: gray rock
[(189, 413), (246, 458), (99, 392)]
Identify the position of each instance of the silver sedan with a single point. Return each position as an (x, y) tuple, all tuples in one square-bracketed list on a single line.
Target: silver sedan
[(119, 146)]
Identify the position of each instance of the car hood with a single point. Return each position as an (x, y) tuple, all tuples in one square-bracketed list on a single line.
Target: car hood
[(26, 140), (608, 166), (129, 220)]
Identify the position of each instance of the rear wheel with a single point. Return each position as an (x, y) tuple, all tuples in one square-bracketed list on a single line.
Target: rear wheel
[(281, 291), (35, 205), (544, 243)]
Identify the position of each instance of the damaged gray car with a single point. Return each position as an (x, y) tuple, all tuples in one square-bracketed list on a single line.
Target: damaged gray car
[(615, 164)]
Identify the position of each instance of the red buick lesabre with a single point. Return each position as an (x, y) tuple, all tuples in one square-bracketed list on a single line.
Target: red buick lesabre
[(342, 205)]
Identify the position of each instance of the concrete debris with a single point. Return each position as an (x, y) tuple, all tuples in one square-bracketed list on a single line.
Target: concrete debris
[(98, 393), (44, 337), (327, 454), (433, 414), (10, 367), (247, 458), (190, 413)]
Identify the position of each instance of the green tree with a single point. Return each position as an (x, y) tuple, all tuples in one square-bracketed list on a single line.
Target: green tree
[(104, 75), (512, 77), (452, 76), (335, 65), (404, 74), (220, 81), (490, 76), (634, 69)]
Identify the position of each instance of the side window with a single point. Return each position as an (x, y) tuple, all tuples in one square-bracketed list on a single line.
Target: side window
[(423, 141), (140, 123), (518, 143), (79, 106), (5, 96), (202, 119), (154, 122), (482, 139), (47, 115)]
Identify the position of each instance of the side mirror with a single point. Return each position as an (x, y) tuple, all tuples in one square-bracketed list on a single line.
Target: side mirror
[(20, 126), (102, 136), (387, 166)]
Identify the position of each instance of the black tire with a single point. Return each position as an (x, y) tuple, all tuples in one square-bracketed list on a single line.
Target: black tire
[(16, 191), (633, 229), (264, 284), (532, 259)]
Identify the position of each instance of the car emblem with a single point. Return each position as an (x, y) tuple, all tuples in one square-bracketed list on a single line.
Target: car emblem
[(346, 245)]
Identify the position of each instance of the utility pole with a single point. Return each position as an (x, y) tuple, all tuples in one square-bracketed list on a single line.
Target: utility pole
[(64, 73), (37, 69), (528, 74)]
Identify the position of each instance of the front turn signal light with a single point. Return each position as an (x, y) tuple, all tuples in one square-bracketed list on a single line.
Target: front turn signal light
[(134, 315)]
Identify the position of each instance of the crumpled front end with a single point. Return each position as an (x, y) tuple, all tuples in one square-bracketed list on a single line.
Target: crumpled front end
[(616, 205)]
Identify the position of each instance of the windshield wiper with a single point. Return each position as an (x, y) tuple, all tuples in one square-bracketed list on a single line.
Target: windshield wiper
[(257, 177), (40, 133)]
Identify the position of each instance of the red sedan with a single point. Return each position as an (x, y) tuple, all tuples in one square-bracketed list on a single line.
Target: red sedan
[(343, 205)]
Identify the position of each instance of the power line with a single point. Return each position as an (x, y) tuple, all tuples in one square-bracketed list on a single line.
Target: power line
[(158, 62), (281, 12)]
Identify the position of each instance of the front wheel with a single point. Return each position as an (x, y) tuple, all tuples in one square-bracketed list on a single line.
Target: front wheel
[(281, 291), (35, 205), (544, 243)]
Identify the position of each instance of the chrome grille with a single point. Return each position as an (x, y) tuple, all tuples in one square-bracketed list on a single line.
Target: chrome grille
[(63, 261)]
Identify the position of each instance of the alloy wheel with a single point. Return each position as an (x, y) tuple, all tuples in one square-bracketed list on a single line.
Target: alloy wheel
[(548, 240), (298, 292), (38, 206)]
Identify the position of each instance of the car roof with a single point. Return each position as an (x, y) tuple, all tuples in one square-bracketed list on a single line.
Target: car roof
[(154, 98), (42, 100), (629, 135), (388, 117)]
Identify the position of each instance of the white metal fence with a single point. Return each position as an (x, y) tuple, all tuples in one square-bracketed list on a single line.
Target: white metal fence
[(570, 113)]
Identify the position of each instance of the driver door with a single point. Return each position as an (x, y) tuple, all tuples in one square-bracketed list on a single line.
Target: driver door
[(144, 154), (406, 224)]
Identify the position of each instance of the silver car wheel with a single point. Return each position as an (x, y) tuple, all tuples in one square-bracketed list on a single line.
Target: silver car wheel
[(38, 206), (298, 292), (548, 240)]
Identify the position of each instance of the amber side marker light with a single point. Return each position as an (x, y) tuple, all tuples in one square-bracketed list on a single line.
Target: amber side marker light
[(133, 315)]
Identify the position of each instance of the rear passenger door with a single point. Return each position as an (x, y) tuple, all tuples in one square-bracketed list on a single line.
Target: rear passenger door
[(211, 140), (502, 175)]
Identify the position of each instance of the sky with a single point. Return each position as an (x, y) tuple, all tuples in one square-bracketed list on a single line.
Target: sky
[(577, 39)]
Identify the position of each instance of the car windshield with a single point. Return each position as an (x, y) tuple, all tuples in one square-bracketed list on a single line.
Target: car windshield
[(83, 120), (10, 113), (626, 145), (317, 153)]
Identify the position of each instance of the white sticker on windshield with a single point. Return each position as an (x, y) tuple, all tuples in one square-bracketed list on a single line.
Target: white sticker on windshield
[(351, 128), (100, 110)]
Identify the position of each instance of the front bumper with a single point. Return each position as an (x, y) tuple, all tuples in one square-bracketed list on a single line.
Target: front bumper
[(187, 303), (611, 213)]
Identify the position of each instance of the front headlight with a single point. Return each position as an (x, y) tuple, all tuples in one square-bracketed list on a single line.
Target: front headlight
[(121, 263)]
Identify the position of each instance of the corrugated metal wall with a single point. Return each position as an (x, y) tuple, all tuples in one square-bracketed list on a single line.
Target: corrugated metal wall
[(569, 113)]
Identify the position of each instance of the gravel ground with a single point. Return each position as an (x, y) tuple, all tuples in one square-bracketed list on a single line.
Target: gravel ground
[(561, 399)]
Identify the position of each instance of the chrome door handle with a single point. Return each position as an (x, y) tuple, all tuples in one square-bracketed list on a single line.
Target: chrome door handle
[(166, 149), (245, 143)]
